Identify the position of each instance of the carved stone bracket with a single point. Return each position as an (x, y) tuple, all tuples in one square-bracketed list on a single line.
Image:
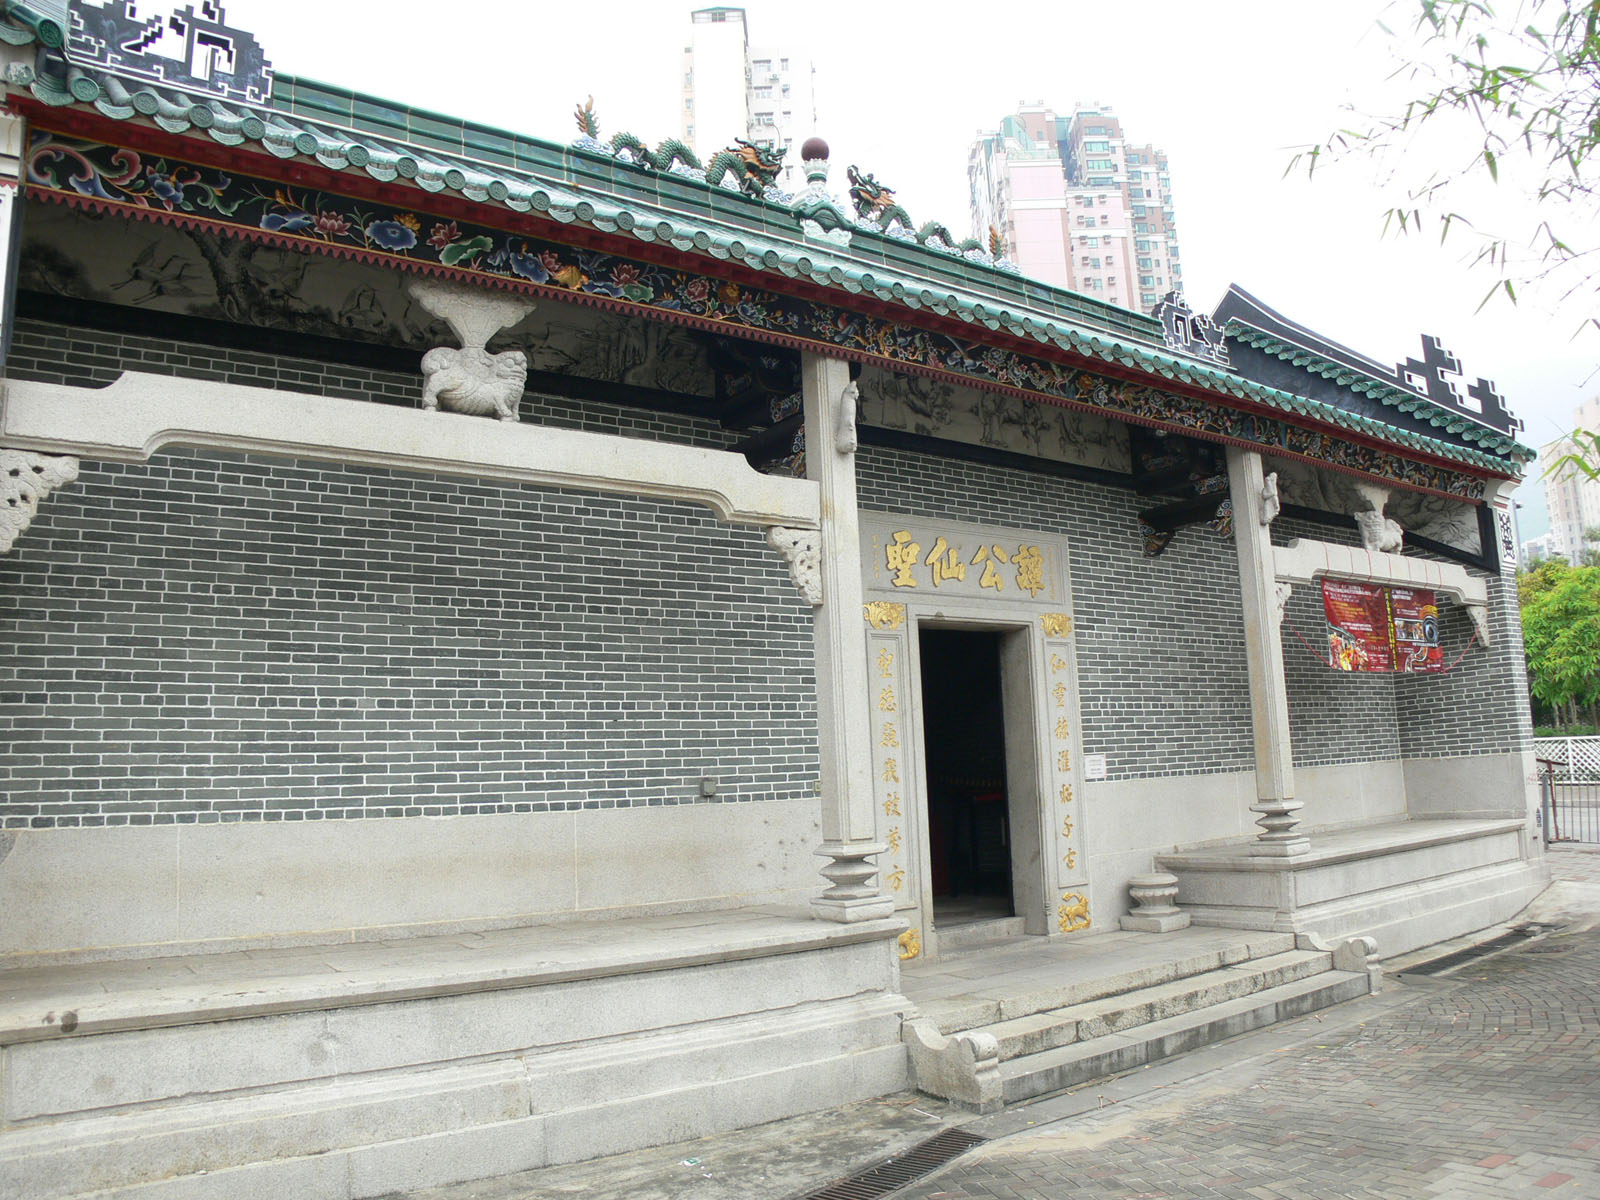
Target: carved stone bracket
[(802, 549), (471, 380), (1281, 592), (25, 479), (1479, 615), (845, 440), (1271, 503)]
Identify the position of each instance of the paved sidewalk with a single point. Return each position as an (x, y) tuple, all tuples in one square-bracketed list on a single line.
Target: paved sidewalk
[(1485, 1082)]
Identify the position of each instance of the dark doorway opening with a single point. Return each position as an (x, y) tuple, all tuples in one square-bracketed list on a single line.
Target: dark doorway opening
[(963, 723)]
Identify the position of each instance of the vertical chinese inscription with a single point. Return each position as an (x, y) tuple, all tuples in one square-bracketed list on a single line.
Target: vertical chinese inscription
[(891, 748), (1061, 718)]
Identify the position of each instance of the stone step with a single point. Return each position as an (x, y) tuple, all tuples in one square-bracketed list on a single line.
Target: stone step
[(1054, 1070), (1008, 994), (969, 934), (1115, 1014)]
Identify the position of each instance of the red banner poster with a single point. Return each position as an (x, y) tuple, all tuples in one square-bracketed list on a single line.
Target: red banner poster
[(1358, 626), (1373, 628), (1416, 630)]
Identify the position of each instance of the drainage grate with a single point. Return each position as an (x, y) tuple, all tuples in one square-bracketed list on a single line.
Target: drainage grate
[(900, 1169), (1520, 934)]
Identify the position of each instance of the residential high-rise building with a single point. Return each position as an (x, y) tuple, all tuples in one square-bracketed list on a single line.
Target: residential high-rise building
[(1572, 498), (1078, 205), (732, 89)]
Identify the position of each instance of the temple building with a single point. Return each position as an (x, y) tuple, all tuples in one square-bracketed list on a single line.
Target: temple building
[(515, 650)]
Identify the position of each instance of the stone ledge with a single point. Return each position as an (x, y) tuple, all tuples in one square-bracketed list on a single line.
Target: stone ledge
[(1342, 845), (87, 998)]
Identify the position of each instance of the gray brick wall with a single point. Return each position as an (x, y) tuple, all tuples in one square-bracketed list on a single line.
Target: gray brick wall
[(1161, 663), (1481, 706), (1478, 707), (215, 636), (1334, 716)]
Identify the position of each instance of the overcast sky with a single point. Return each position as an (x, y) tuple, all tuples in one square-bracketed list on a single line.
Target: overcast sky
[(1228, 89)]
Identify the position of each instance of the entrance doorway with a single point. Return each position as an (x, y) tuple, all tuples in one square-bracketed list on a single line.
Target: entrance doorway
[(964, 735)]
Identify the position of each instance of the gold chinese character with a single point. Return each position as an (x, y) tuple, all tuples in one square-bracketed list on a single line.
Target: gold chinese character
[(902, 558), (897, 878), (1060, 693), (894, 838), (891, 771), (886, 698), (1063, 761), (891, 805), (1062, 728), (1029, 561), (988, 556), (890, 737), (1057, 663), (1072, 859), (1066, 793), (1066, 827), (885, 661), (946, 562)]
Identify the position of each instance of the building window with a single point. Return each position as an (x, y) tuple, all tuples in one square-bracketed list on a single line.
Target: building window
[(787, 117), (688, 104), (1099, 164), (763, 93), (689, 129), (1139, 210), (783, 64), (761, 64), (1143, 245), (1146, 264), (1148, 281), (786, 91), (1105, 218), (1141, 227), (1092, 242)]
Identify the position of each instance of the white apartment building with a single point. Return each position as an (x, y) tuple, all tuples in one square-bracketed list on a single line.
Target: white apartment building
[(732, 89), (1078, 205), (1572, 498)]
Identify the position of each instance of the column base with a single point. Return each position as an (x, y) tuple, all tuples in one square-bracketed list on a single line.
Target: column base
[(848, 912), (1288, 848)]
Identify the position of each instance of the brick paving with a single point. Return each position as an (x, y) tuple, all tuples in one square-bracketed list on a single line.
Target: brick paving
[(1487, 1085)]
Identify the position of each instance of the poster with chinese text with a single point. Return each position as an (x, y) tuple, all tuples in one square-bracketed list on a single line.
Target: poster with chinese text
[(1378, 629)]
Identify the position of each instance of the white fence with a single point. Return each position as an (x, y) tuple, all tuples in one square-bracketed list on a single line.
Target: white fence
[(1577, 759)]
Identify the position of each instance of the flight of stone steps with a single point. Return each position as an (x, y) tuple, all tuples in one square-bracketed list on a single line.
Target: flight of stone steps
[(1045, 1039)]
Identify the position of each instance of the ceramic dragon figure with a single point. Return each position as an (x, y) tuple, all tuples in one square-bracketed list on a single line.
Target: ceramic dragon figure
[(754, 167)]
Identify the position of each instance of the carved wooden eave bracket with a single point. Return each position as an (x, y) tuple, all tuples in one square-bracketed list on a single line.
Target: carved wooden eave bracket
[(1307, 561), (25, 479), (802, 550), (138, 415)]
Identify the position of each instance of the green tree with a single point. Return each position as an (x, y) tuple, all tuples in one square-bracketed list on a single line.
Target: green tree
[(1527, 75), (1561, 635)]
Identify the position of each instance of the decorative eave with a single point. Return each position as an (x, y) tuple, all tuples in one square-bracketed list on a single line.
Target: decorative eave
[(574, 187), (1400, 399)]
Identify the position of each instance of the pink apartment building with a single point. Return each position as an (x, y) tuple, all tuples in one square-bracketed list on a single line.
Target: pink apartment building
[(1077, 205)]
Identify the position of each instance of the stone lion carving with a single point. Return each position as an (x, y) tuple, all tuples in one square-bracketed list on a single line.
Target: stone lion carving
[(474, 381), (471, 380), (1379, 532)]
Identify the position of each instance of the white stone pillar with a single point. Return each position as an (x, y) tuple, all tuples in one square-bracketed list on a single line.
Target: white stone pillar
[(13, 141), (844, 727), (1269, 697)]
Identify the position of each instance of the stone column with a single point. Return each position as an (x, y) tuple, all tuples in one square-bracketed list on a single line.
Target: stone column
[(13, 139), (1253, 511), (849, 824)]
